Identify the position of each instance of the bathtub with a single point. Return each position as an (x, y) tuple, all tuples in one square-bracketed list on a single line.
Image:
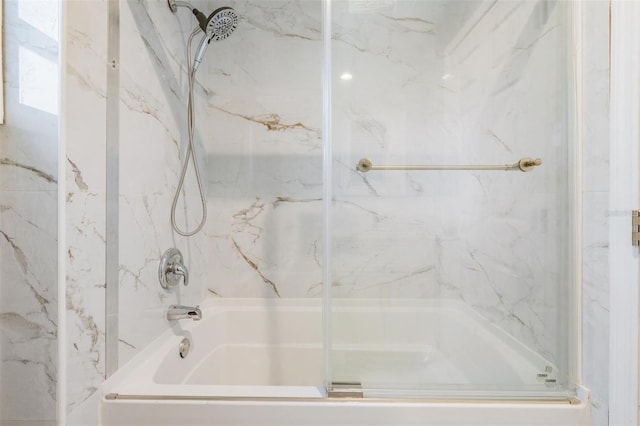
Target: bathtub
[(260, 362)]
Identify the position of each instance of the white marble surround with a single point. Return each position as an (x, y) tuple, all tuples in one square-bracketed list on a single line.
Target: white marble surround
[(28, 227), (152, 130), (153, 134), (84, 103), (264, 153), (482, 89)]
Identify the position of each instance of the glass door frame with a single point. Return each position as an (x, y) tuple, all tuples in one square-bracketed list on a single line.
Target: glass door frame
[(573, 333)]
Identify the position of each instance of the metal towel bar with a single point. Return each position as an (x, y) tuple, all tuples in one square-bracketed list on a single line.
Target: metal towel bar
[(525, 165)]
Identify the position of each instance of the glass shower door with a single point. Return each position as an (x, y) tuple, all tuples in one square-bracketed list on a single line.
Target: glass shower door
[(451, 282)]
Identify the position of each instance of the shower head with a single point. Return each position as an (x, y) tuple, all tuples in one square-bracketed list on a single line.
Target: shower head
[(218, 26)]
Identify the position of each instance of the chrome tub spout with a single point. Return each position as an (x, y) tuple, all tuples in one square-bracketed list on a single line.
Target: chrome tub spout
[(178, 312)]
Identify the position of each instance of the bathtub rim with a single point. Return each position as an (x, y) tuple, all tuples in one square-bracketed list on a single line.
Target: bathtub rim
[(352, 412), (570, 400)]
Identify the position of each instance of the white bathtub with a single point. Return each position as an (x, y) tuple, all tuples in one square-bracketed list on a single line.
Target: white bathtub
[(259, 362)]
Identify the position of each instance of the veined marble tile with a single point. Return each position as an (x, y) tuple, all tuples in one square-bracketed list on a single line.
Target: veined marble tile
[(85, 294), (153, 130), (296, 176), (86, 94), (158, 102), (30, 236), (264, 153), (151, 32), (265, 247), (85, 103), (143, 302), (378, 251), (268, 100), (28, 214), (153, 143), (28, 310)]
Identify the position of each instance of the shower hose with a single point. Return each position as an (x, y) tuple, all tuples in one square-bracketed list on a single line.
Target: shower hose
[(190, 154)]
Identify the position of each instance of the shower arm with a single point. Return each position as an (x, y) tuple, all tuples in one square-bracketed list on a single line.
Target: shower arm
[(173, 5), (524, 165)]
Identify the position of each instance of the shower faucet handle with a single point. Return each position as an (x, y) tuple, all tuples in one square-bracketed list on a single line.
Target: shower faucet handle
[(171, 268), (181, 270)]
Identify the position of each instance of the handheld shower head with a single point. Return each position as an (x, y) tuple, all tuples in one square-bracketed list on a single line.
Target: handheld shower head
[(218, 26)]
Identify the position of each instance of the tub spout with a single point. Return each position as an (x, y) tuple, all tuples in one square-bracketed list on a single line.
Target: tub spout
[(178, 312)]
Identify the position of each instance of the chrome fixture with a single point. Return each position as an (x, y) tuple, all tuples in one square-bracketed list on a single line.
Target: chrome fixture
[(217, 26), (171, 268), (524, 165), (185, 346), (345, 390), (173, 5), (635, 228), (178, 312)]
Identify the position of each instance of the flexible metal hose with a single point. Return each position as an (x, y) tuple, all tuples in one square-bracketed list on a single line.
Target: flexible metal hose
[(190, 153)]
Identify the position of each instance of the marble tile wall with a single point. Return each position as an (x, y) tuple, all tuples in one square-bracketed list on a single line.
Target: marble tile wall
[(264, 153), (153, 138), (28, 238), (85, 108), (153, 99)]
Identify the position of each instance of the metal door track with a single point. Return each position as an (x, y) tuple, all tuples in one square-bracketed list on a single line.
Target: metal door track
[(345, 390)]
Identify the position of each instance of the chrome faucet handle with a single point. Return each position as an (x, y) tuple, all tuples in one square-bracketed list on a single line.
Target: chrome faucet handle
[(171, 268), (181, 270)]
